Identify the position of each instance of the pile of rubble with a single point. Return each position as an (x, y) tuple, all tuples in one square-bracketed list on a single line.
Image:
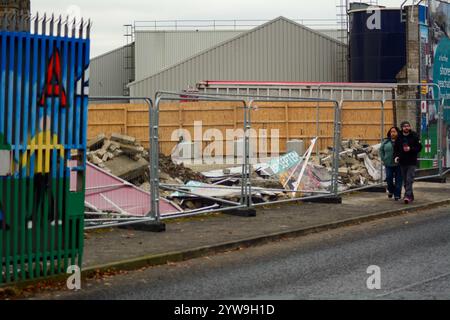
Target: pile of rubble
[(127, 159), (359, 164), (124, 157)]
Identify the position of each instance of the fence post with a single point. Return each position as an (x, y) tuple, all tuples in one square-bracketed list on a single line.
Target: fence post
[(439, 136), (382, 136), (156, 224), (336, 148)]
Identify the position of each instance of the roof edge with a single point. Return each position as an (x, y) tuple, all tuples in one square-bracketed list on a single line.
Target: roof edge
[(111, 51), (280, 18)]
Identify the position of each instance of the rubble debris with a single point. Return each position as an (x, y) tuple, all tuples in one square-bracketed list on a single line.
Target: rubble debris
[(203, 190), (98, 140), (123, 139), (359, 164), (131, 150), (178, 171), (296, 173), (126, 168), (125, 158)]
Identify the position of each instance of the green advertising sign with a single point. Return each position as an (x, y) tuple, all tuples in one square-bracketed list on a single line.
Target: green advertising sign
[(441, 72)]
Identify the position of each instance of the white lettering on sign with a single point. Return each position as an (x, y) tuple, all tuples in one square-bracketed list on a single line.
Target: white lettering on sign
[(374, 21)]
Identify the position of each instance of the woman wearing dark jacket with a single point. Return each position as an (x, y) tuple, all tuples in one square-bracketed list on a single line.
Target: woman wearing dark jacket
[(393, 171)]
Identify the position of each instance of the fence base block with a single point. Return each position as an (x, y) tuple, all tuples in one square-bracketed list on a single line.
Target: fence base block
[(330, 199), (244, 212), (379, 189), (435, 180), (146, 226)]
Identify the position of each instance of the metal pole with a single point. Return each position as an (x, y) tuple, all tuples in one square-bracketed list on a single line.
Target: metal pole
[(382, 138), (336, 148), (180, 189), (154, 153), (318, 123), (439, 136), (248, 128)]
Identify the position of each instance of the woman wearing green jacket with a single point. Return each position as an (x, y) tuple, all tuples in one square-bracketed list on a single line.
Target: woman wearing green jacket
[(393, 173)]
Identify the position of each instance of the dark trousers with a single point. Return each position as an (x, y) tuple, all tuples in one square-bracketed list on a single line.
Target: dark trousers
[(409, 174), (394, 181)]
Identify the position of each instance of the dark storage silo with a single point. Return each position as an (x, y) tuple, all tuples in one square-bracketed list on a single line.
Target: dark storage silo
[(377, 46)]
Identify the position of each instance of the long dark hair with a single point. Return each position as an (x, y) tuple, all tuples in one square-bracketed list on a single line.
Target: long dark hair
[(389, 132)]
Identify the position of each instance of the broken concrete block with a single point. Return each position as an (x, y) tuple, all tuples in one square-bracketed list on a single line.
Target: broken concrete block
[(123, 139), (104, 149), (96, 143), (136, 157), (117, 153), (130, 150), (113, 147), (89, 156), (105, 157), (96, 160), (126, 168), (100, 153), (343, 171)]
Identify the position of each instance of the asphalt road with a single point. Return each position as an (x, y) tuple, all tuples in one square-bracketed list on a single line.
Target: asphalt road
[(412, 252)]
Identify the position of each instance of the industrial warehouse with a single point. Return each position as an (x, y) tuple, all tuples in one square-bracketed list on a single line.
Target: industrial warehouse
[(204, 119)]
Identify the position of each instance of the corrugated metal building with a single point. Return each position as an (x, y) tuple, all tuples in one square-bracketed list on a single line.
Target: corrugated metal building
[(158, 50), (111, 72), (280, 50)]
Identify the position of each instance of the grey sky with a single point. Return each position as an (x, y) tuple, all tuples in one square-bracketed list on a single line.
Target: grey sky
[(110, 16)]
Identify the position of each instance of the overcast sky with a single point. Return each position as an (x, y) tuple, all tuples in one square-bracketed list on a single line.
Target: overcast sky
[(109, 16)]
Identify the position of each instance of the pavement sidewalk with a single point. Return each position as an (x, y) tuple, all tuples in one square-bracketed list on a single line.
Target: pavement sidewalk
[(200, 236)]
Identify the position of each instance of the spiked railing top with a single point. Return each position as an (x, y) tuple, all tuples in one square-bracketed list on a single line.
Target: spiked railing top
[(47, 25)]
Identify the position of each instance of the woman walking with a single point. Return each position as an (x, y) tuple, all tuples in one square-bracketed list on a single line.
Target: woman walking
[(393, 171)]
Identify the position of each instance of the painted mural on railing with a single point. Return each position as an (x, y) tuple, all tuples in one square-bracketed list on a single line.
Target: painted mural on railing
[(44, 82)]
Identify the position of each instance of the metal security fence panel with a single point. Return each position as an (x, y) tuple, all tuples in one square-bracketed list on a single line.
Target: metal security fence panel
[(43, 120), (248, 106)]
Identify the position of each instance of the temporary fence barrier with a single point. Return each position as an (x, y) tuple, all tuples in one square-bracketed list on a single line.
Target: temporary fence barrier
[(121, 218), (294, 120), (245, 193), (249, 105)]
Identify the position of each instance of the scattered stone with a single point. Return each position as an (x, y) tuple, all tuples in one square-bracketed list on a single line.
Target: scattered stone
[(96, 160), (131, 150), (97, 142), (124, 157), (126, 168), (123, 139)]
